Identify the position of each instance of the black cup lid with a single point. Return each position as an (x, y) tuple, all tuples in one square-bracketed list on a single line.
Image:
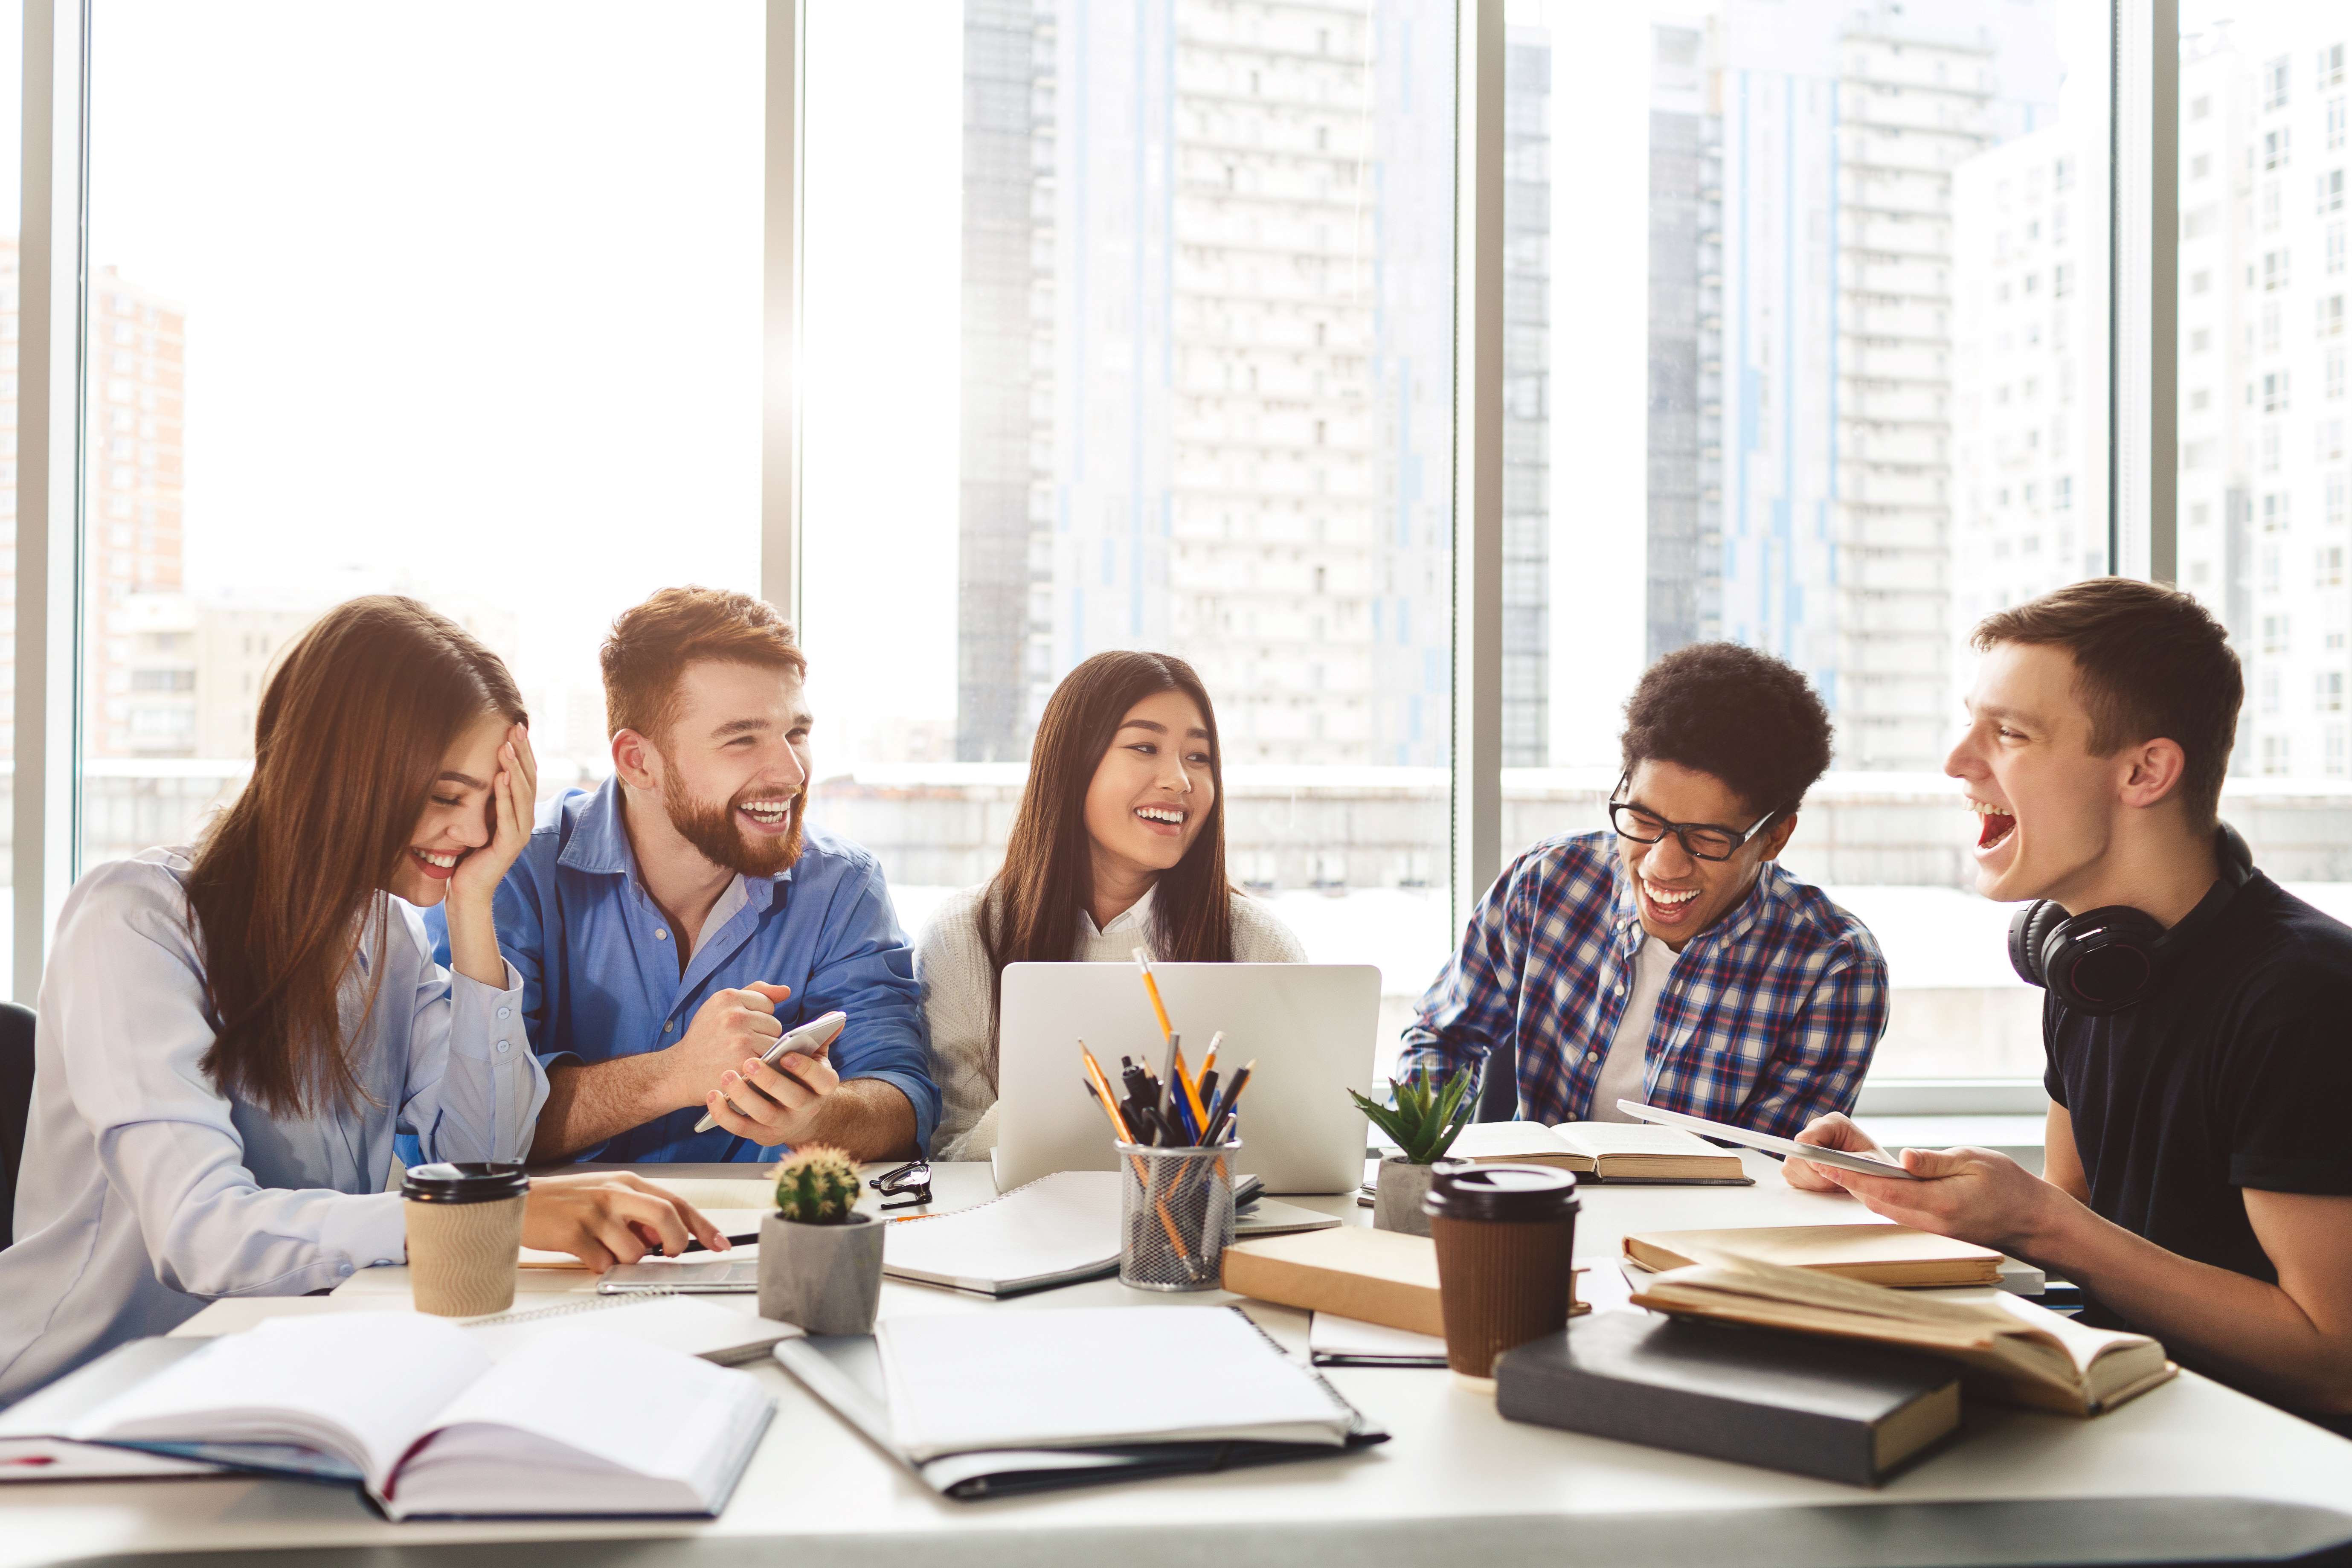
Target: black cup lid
[(463, 1182), (1460, 1189)]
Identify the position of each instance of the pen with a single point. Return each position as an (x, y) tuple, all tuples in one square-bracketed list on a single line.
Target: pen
[(1188, 1099), (1224, 1114), (1165, 1090)]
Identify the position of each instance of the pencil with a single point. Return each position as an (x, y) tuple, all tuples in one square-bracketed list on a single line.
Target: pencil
[(1209, 1062), (1151, 989), (1100, 1087)]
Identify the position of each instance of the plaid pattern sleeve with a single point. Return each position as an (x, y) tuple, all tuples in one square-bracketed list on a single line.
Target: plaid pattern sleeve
[(1769, 1017)]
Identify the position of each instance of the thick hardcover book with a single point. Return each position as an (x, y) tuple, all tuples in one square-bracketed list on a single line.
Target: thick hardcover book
[(1847, 1412)]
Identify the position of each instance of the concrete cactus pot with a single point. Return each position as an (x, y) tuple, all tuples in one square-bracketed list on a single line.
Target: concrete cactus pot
[(827, 1279), (1396, 1202)]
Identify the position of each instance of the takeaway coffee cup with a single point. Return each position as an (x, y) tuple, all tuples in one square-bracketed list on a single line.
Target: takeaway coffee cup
[(465, 1234), (1504, 1236)]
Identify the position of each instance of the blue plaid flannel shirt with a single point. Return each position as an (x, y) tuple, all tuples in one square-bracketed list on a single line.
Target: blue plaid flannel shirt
[(1769, 1017)]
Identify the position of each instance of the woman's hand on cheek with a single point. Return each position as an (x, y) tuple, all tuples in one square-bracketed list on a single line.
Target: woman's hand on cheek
[(514, 795)]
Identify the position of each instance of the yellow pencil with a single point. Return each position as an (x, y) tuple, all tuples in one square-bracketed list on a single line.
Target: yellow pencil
[(1151, 989), (1209, 1062), (1101, 1086)]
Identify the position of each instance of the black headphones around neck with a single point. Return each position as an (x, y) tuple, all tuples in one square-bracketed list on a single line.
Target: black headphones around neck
[(2104, 960)]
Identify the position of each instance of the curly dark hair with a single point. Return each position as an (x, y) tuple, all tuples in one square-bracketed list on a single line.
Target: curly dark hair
[(1743, 716)]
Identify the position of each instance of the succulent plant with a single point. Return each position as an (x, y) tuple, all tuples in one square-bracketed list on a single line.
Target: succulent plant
[(1426, 1118), (817, 1185)]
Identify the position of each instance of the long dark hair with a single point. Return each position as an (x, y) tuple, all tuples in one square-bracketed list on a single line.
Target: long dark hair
[(284, 893), (1029, 911)]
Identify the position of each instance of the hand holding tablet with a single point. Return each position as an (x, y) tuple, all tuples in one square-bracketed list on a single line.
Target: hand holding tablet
[(1788, 1148)]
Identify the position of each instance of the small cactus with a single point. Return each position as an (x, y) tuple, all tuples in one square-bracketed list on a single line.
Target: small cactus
[(817, 1185)]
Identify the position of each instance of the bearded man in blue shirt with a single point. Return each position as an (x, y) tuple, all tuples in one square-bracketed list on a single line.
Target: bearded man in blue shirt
[(672, 923)]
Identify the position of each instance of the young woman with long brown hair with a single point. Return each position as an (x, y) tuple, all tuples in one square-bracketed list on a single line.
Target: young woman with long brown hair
[(232, 1033), (1119, 843)]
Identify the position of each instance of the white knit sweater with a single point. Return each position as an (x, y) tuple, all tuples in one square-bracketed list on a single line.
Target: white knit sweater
[(953, 966)]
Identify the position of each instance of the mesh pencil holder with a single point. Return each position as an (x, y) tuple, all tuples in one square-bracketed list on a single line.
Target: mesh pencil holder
[(1176, 1216)]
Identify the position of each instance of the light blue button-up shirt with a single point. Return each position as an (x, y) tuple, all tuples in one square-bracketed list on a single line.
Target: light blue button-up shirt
[(146, 1192), (601, 975)]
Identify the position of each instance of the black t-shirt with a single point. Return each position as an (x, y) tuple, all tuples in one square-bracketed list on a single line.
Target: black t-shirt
[(2235, 1072)]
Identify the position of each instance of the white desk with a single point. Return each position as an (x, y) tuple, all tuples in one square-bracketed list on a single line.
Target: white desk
[(2192, 1471)]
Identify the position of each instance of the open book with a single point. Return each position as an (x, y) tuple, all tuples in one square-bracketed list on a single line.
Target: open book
[(418, 1412), (1894, 1255), (2014, 1350), (1611, 1151)]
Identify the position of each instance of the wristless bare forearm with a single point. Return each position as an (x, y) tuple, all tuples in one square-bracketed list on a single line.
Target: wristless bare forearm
[(868, 1118), (474, 944), (2216, 1316), (589, 1102)]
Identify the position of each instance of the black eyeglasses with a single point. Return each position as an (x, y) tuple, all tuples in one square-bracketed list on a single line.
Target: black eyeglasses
[(1700, 840), (910, 1184)]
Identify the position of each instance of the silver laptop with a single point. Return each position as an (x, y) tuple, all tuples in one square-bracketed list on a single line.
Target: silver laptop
[(1310, 1026)]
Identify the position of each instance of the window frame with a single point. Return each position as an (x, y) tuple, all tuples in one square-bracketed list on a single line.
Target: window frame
[(2143, 349)]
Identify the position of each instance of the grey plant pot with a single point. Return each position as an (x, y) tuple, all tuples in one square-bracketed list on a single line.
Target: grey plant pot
[(825, 1278), (1396, 1205)]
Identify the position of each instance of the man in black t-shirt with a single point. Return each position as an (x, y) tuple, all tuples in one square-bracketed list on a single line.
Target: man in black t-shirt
[(2198, 1172)]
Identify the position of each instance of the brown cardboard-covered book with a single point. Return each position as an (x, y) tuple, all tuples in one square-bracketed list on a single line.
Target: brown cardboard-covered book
[(1373, 1276)]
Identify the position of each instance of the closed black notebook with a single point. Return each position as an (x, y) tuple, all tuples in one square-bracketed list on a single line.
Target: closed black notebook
[(1836, 1409)]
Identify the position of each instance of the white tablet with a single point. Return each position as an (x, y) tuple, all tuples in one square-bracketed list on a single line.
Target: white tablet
[(1844, 1159)]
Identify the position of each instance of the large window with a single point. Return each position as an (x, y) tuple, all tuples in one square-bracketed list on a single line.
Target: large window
[(455, 300), (1132, 327), (1862, 402)]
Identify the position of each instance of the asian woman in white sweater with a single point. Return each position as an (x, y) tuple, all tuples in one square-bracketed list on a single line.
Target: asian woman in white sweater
[(1119, 843)]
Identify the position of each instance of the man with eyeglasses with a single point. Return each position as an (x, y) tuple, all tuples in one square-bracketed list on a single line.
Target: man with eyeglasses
[(1672, 960)]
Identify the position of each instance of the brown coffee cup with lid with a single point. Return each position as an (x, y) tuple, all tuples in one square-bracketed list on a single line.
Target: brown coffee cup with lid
[(1505, 1239), (465, 1235)]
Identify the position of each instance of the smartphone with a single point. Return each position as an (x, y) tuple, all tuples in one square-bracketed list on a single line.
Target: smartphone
[(809, 1040)]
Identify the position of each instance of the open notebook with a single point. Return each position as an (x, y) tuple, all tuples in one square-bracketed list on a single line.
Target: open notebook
[(1607, 1151), (431, 1421), (989, 1404), (2014, 1350)]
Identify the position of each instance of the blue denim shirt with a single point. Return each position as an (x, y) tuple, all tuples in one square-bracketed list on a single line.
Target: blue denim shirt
[(599, 983)]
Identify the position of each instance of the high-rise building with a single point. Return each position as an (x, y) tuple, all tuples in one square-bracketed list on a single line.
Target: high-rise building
[(139, 688), (2029, 381), (135, 674), (2266, 487), (1801, 334), (1527, 396), (1004, 577), (1685, 356), (2262, 518), (1207, 367)]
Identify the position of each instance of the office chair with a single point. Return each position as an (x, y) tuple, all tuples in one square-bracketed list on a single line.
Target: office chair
[(15, 1104)]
